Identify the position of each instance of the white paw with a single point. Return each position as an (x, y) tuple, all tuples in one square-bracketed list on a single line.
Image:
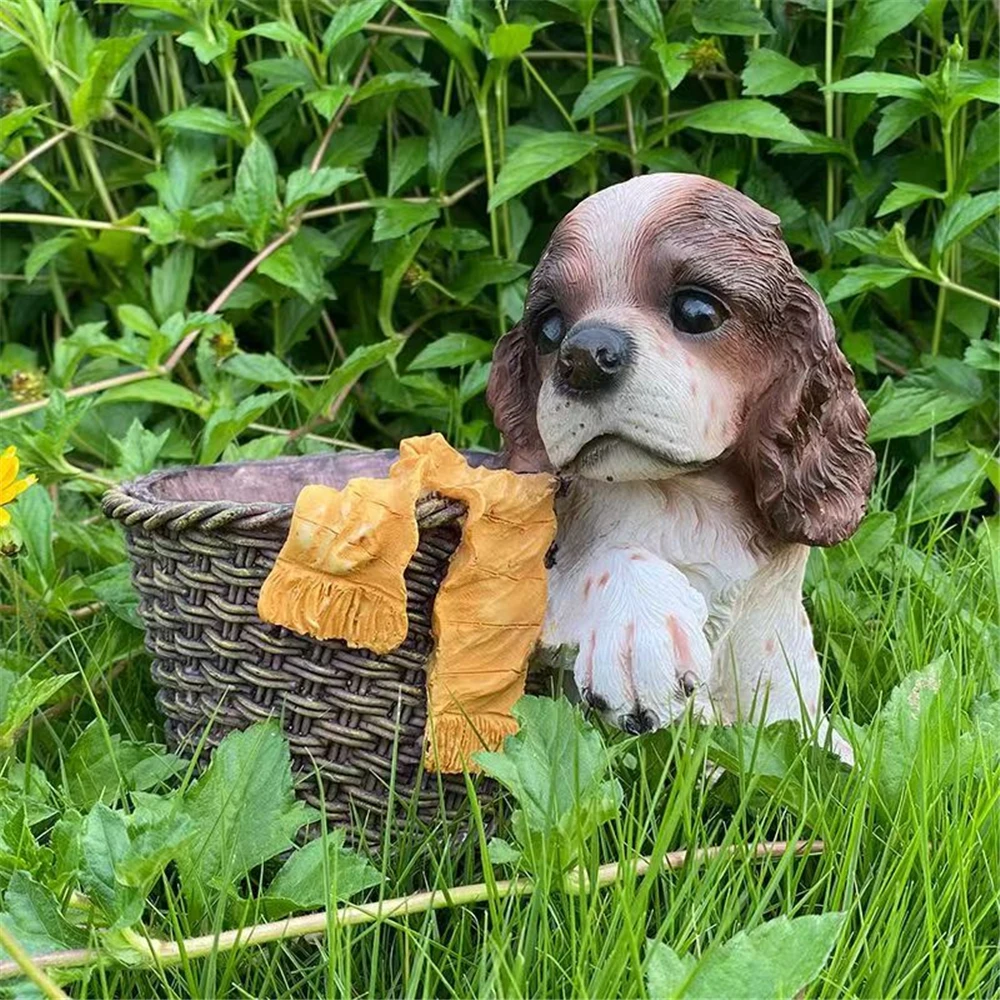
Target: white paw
[(643, 654)]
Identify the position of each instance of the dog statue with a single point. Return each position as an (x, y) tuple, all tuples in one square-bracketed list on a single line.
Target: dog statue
[(677, 370)]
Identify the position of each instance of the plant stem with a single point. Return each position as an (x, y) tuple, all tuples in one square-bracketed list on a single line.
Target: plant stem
[(828, 98), (547, 90), (616, 42), (588, 36), (32, 154), (154, 951), (949, 183), (32, 218), (944, 281)]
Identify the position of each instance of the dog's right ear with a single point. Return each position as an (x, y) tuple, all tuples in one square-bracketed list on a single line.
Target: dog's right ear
[(512, 395)]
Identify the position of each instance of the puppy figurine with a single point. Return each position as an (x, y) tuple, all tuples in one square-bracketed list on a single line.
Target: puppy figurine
[(674, 366)]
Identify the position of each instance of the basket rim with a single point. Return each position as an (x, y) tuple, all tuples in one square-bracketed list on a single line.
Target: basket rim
[(135, 501)]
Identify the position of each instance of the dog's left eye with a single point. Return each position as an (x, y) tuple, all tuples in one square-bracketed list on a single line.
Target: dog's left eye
[(695, 311), (550, 333)]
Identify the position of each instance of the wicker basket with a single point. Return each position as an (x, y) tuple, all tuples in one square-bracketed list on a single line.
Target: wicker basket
[(202, 540)]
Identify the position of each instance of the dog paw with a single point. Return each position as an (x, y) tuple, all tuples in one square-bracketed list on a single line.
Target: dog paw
[(643, 654)]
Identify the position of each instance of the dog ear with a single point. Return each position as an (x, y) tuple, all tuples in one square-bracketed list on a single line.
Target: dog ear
[(512, 395), (806, 447)]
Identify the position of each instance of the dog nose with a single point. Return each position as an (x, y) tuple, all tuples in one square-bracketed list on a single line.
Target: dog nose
[(593, 357)]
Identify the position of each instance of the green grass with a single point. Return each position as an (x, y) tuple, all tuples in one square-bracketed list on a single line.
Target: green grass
[(911, 834)]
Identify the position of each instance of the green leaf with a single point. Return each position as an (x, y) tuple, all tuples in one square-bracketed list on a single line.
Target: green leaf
[(280, 31), (983, 355), (243, 809), (226, 424), (295, 267), (897, 118), (354, 145), (105, 844), (360, 360), (923, 399), (395, 218), (963, 217), (139, 449), (304, 186), (815, 143), (112, 586), (667, 973), (394, 83), (557, 767), (20, 695), (349, 19), (327, 100), (256, 191), (212, 121), (318, 875), (982, 153), (104, 78), (768, 72), (674, 65), (507, 41), (170, 282), (262, 369), (856, 280), (33, 514), (279, 73), (206, 49), (409, 155), (607, 86), (502, 853), (158, 832), (872, 21), (537, 159), (101, 765), (882, 85), (449, 36), (646, 16), (921, 707), (749, 116), (861, 550), (480, 273), (33, 916), (13, 122), (946, 488), (269, 101), (775, 960), (156, 390), (136, 318), (451, 351), (397, 260), (449, 138), (904, 194), (729, 17), (45, 251)]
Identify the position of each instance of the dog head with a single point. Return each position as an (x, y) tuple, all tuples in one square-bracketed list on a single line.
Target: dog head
[(666, 329)]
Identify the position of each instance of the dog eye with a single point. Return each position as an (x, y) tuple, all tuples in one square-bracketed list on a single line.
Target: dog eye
[(695, 311), (550, 333)]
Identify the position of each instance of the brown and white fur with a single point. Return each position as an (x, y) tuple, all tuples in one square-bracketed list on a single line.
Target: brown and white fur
[(700, 467)]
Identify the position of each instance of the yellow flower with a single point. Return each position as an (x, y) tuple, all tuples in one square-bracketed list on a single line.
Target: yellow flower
[(10, 485)]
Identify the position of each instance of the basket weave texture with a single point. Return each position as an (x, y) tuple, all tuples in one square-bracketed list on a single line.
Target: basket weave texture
[(202, 540)]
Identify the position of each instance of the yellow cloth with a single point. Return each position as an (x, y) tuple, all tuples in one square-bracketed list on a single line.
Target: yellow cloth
[(340, 576)]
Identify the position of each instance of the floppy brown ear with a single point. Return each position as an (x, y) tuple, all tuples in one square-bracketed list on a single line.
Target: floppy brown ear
[(805, 448), (512, 395)]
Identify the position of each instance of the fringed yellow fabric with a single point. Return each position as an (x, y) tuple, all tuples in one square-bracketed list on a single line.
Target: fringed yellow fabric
[(340, 575)]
